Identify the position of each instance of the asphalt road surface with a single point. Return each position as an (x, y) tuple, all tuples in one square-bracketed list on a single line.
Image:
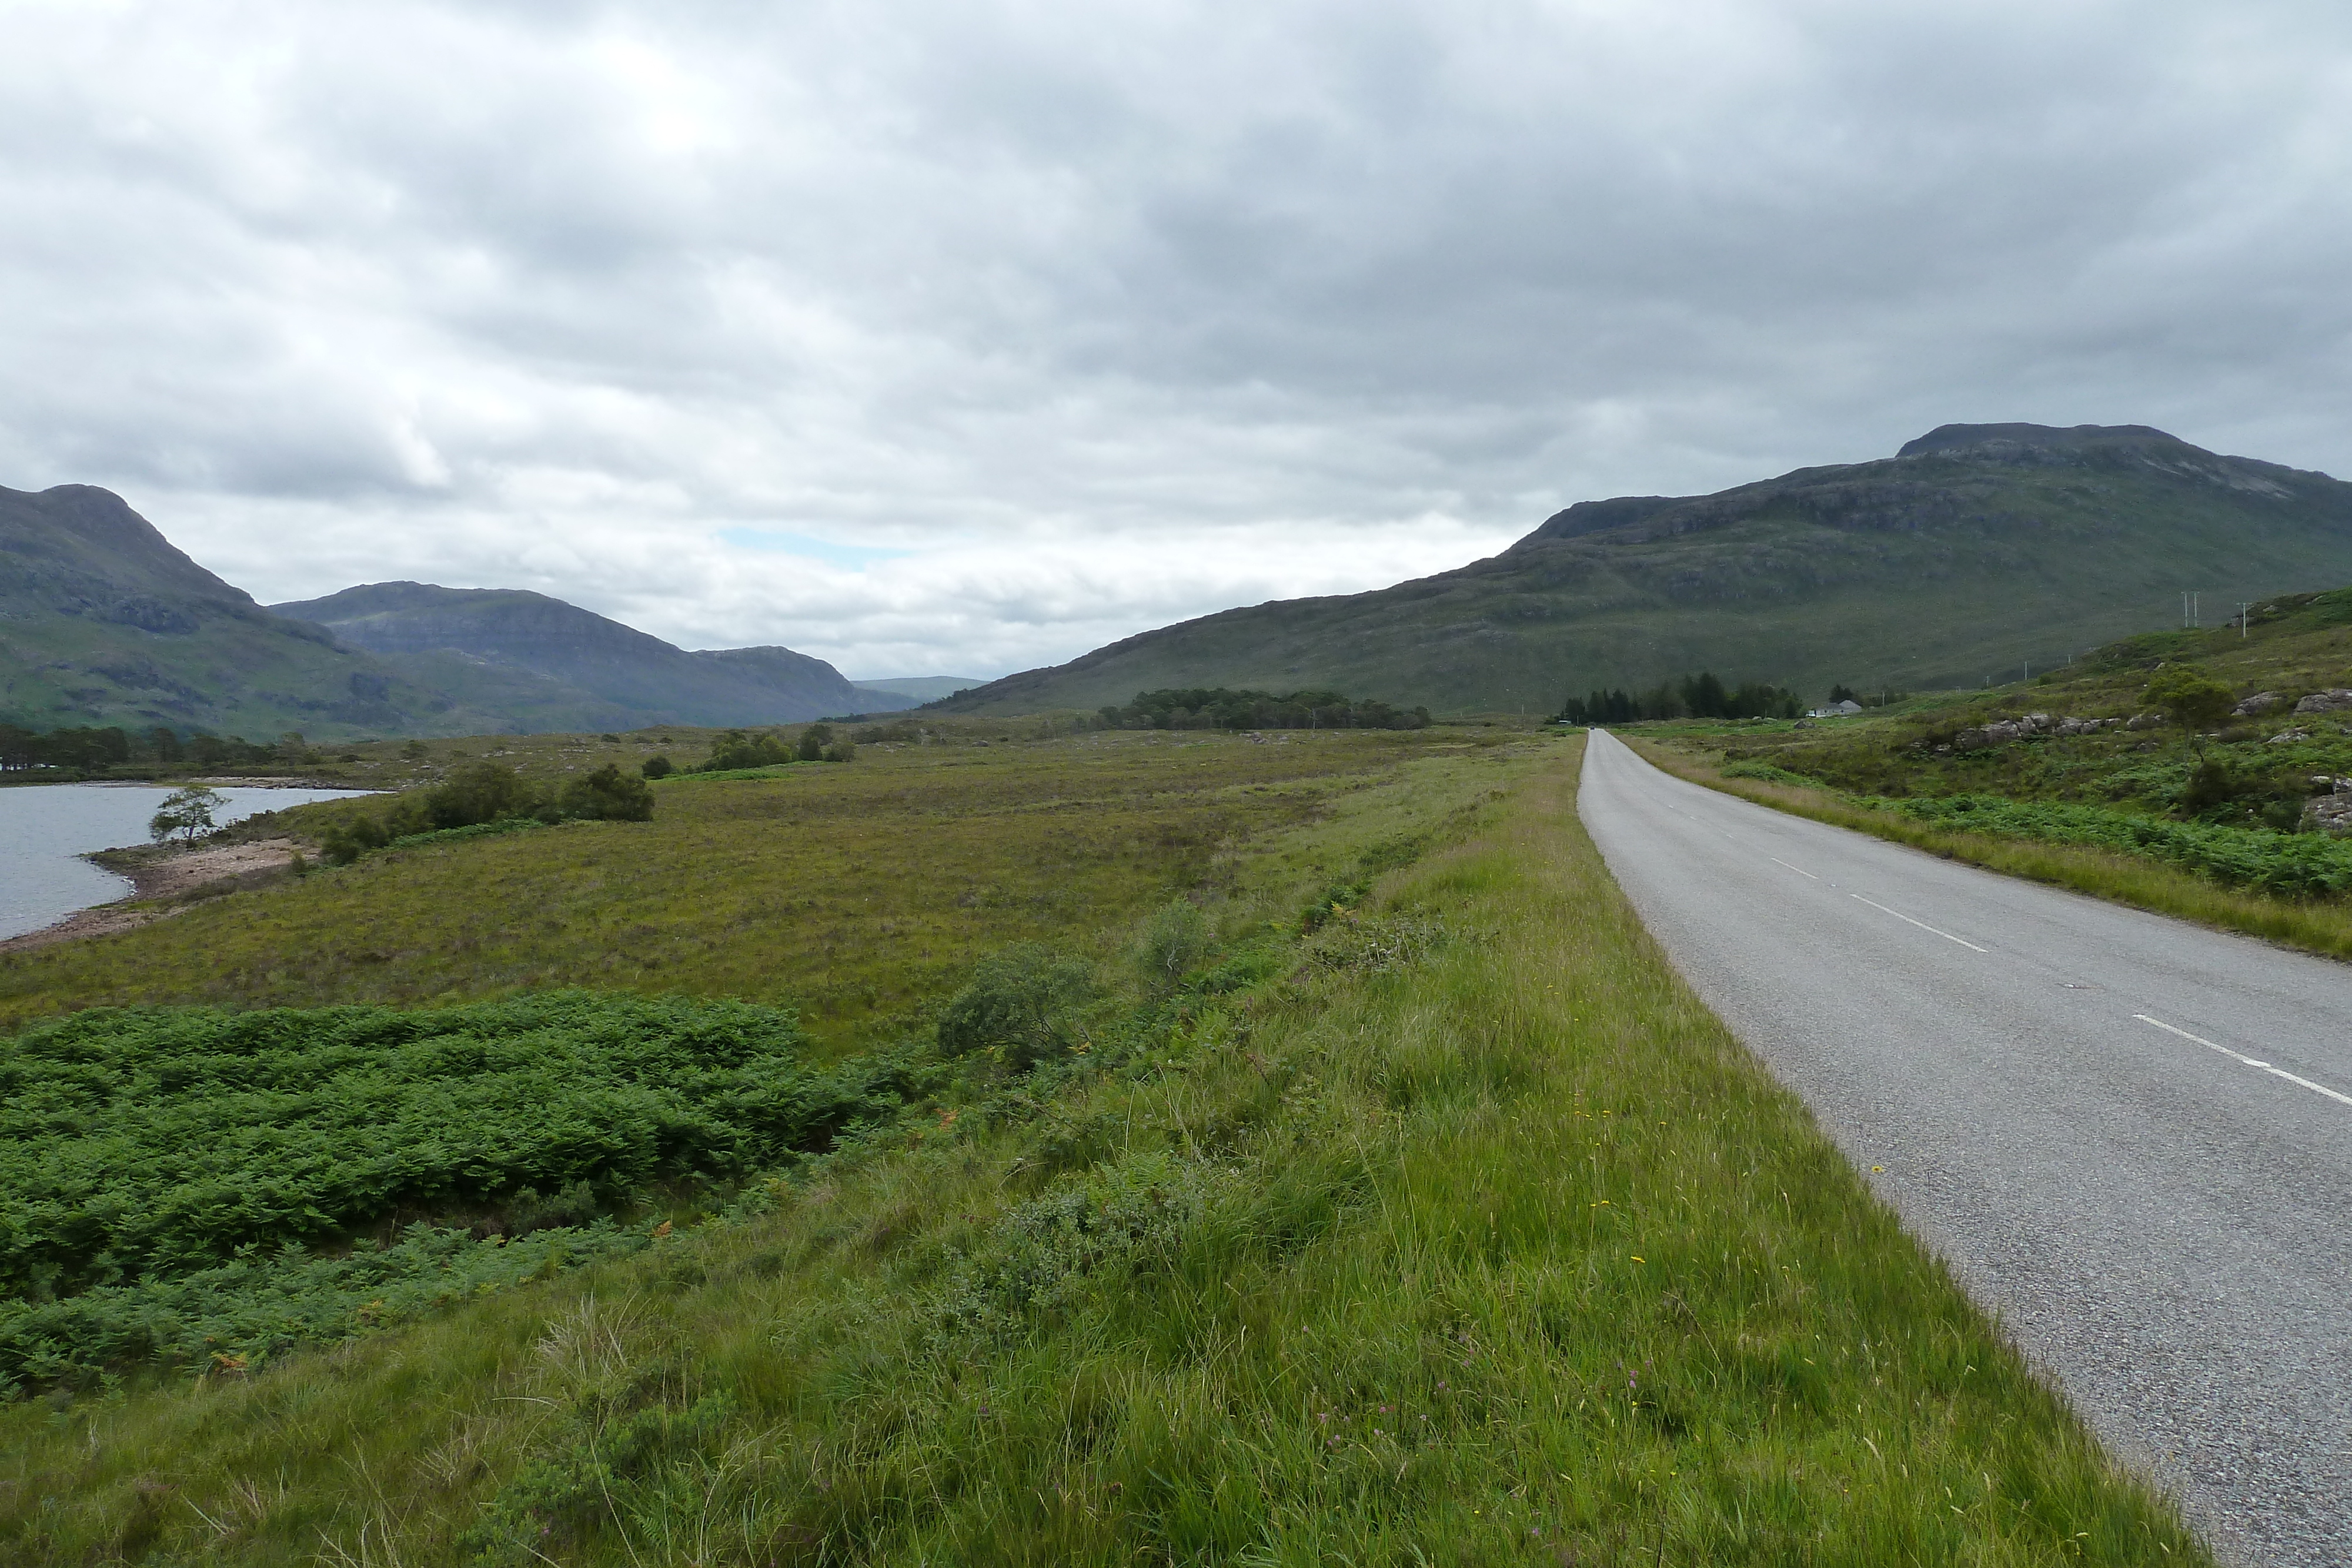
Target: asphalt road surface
[(2131, 1136)]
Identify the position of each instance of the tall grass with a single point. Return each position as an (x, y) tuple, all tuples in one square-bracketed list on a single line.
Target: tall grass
[(857, 894), (1467, 1237)]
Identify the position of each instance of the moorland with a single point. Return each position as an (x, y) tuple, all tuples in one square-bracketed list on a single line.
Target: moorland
[(1007, 1145)]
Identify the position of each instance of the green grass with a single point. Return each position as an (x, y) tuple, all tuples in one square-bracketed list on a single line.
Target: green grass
[(859, 893), (1464, 1234)]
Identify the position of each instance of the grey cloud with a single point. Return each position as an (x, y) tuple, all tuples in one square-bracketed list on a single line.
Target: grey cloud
[(1051, 297)]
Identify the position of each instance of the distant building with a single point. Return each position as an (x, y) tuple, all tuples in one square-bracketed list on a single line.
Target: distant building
[(1836, 709)]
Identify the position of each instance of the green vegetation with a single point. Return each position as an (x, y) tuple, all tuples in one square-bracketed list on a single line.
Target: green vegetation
[(151, 1144), (2128, 772), (1452, 1228), (1703, 695), (2270, 862), (860, 894), (1945, 568), (1196, 708), (185, 814), (481, 794)]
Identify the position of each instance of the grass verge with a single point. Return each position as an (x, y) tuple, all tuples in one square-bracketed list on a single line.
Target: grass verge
[(1469, 1237), (2322, 928)]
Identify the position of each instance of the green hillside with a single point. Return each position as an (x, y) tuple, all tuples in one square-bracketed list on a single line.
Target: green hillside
[(1975, 550), (103, 623)]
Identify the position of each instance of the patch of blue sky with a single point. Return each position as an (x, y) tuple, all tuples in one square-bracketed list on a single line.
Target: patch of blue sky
[(832, 553)]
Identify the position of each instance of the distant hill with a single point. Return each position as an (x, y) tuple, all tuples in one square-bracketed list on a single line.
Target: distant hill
[(923, 688), (1974, 550), (553, 666), (102, 622)]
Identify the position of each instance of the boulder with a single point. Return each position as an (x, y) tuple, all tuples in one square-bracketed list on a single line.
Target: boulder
[(2289, 737), (2260, 703), (2329, 814), (2144, 721), (2333, 701)]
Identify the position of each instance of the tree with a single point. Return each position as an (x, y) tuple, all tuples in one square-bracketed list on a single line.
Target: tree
[(813, 740), (2192, 697), (186, 812), (658, 768)]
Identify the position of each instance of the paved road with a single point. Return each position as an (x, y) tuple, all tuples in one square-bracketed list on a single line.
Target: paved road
[(2132, 1136)]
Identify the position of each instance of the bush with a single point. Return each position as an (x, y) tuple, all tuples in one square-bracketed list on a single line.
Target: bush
[(608, 795), (1175, 939), (1021, 1006), (813, 742), (658, 768), (483, 792)]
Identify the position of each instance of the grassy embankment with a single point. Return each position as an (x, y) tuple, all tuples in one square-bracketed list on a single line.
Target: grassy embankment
[(1467, 1236), (2199, 827)]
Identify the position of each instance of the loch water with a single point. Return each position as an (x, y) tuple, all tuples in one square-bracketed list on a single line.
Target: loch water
[(46, 828)]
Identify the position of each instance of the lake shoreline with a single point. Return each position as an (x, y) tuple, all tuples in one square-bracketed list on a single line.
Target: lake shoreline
[(163, 881)]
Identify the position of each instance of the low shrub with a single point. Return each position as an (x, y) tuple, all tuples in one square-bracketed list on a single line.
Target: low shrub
[(157, 1140), (1023, 1005), (2295, 864)]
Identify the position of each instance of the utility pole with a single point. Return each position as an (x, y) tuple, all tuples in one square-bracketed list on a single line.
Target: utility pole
[(2242, 608)]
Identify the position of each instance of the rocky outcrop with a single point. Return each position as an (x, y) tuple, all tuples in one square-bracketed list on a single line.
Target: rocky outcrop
[(2260, 703), (2334, 701), (2330, 813), (2002, 731)]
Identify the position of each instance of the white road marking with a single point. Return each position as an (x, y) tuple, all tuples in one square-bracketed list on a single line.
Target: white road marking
[(1801, 871), (2246, 1061), (1920, 924)]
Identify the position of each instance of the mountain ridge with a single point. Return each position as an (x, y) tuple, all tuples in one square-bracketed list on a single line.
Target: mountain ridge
[(1974, 549), (103, 620), (560, 660)]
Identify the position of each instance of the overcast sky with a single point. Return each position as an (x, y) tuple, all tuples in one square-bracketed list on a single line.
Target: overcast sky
[(959, 336)]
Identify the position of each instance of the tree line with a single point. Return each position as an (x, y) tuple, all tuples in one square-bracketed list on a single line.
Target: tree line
[(740, 748), (1216, 708), (97, 750), (482, 792), (1703, 695)]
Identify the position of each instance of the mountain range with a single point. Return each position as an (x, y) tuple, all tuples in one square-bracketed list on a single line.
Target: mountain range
[(103, 621), (1974, 551)]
